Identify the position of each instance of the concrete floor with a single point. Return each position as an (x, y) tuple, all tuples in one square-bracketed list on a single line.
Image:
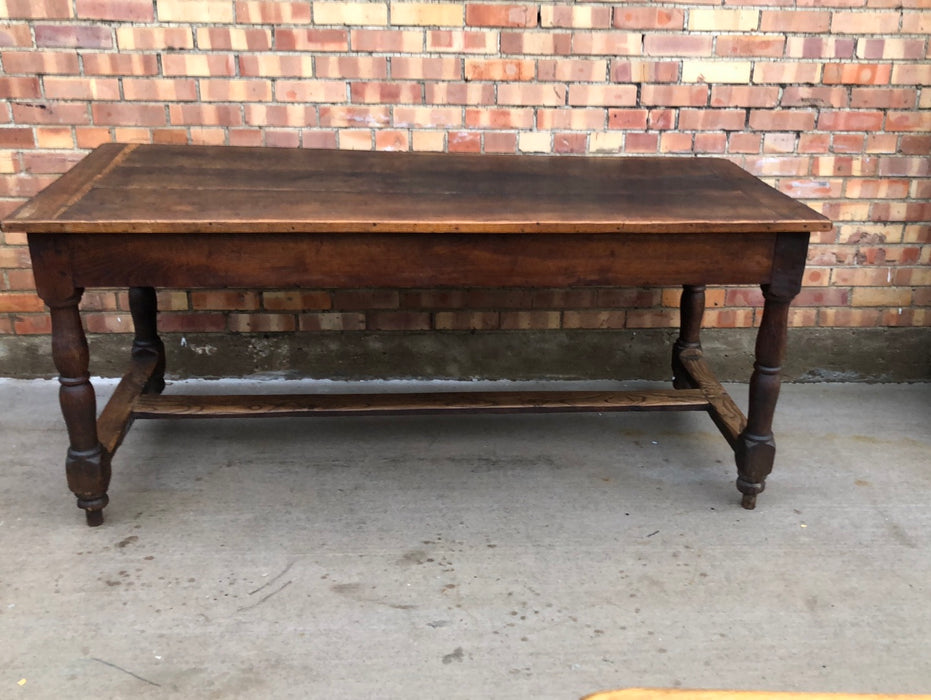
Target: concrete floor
[(471, 557)]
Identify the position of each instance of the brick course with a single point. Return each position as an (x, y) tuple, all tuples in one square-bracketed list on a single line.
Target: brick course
[(827, 101)]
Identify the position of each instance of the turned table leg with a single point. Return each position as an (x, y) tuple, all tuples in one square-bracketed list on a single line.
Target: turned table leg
[(756, 448), (144, 309), (691, 309), (87, 465)]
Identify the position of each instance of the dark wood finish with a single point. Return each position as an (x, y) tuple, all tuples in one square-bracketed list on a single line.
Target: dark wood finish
[(691, 310), (186, 189), (237, 406), (147, 216)]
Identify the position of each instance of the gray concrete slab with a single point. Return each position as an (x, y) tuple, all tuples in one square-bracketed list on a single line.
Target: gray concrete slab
[(470, 557)]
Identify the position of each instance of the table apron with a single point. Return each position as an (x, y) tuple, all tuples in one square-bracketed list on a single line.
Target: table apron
[(412, 260)]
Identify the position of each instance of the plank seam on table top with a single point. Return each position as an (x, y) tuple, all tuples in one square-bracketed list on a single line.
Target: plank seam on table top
[(759, 194), (89, 185)]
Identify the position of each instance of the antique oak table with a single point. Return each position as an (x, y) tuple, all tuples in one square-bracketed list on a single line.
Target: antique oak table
[(148, 216)]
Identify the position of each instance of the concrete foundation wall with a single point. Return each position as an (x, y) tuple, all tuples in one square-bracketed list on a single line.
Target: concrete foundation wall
[(814, 355)]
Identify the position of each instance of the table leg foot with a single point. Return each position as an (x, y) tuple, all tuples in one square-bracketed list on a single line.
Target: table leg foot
[(93, 515), (88, 478)]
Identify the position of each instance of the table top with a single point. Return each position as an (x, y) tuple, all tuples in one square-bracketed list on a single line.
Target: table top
[(132, 188)]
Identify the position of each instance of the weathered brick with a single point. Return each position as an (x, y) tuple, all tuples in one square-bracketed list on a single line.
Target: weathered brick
[(16, 137), (908, 121), (73, 36), (233, 39), (744, 143), (40, 62), (911, 74), (346, 116), (488, 15), (716, 71), (749, 45), (424, 14), (607, 43), (677, 45), (17, 34), (787, 73), (664, 18), (55, 137), (201, 65), (499, 118), (795, 21), (886, 49), (332, 66), (637, 71), (415, 68), (627, 119), (427, 117), (499, 69), (310, 91), (884, 98), (857, 73), (224, 90), (635, 142), (674, 95), (205, 114), (794, 96), (200, 12), (154, 38), (273, 12), (116, 10), (117, 114), (18, 88), (744, 96), (280, 115), (568, 118), (135, 64), (386, 40), (850, 120), (712, 119), (603, 95), (573, 70), (82, 88), (332, 321), (311, 40), (464, 142), (224, 300), (155, 89), (386, 92), (350, 13), (819, 47), (467, 320), (534, 43), (36, 9), (865, 22), (425, 140), (398, 321), (392, 140), (723, 20), (356, 139), (848, 143), (459, 93), (532, 95), (261, 323), (580, 17)]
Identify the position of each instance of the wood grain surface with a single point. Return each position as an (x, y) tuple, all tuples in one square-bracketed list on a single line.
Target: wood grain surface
[(201, 189)]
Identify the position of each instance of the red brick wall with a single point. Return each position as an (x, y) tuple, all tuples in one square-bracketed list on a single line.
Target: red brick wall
[(828, 100)]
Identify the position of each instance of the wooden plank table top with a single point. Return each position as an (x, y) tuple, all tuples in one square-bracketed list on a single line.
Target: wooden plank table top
[(161, 216), (189, 189)]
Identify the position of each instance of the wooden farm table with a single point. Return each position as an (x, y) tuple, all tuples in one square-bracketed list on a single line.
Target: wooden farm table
[(148, 216)]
